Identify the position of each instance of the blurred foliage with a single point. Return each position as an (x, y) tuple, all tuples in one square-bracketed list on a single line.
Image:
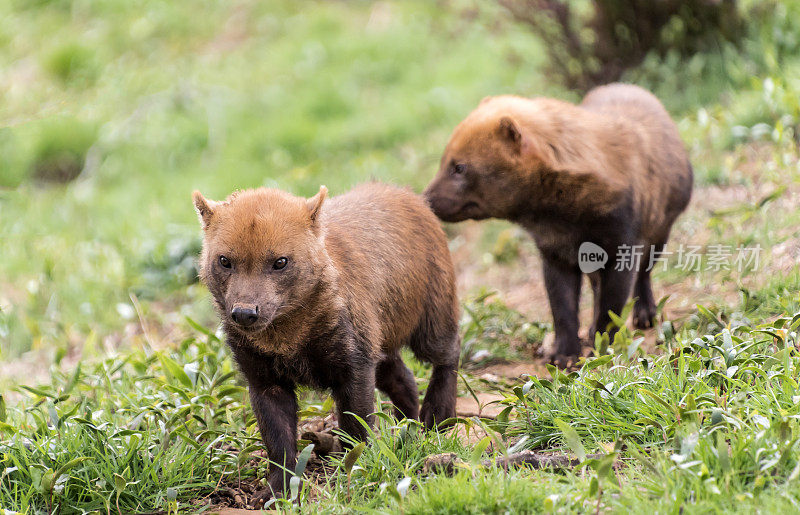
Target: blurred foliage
[(50, 150), (73, 64), (168, 265), (507, 246), (61, 149), (249, 94)]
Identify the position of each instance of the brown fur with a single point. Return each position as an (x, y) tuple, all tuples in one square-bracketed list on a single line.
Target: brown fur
[(368, 272), (612, 170)]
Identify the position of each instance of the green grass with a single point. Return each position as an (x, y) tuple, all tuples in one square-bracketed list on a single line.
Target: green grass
[(715, 419), (112, 112), (126, 432), (712, 423), (491, 331), (148, 429)]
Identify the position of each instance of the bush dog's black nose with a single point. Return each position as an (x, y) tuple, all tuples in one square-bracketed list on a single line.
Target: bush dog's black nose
[(244, 316)]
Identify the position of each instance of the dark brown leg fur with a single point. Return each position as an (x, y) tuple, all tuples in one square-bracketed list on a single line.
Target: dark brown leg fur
[(395, 380), (615, 289), (644, 310), (563, 284), (438, 343), (440, 398), (357, 397), (276, 412)]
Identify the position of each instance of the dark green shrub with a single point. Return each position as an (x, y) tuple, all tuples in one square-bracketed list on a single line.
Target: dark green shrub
[(61, 148), (592, 43), (72, 63)]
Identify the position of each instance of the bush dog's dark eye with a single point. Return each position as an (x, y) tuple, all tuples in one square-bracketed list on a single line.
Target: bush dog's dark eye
[(280, 263), (459, 168), (225, 262)]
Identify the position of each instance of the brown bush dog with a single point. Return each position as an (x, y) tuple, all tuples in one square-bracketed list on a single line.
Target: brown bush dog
[(612, 171), (325, 294)]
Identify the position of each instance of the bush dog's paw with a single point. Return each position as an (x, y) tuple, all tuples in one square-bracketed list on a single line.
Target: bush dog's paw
[(562, 361), (644, 316)]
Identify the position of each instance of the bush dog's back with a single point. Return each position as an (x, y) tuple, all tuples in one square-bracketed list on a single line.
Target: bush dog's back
[(325, 293), (664, 179), (393, 258)]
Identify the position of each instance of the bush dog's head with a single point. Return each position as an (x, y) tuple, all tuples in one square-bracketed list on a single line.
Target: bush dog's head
[(485, 162), (262, 255)]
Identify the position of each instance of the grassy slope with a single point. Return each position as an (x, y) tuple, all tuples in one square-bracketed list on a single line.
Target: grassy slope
[(294, 96), (253, 94)]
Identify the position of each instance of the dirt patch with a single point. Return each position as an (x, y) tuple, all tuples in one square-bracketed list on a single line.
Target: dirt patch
[(235, 32), (519, 282), (223, 510), (486, 405), (240, 496), (516, 370)]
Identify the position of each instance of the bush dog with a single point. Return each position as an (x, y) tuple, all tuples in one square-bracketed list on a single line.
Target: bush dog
[(325, 294), (612, 171)]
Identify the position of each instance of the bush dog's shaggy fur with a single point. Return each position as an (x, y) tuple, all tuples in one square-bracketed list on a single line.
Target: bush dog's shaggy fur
[(612, 171), (325, 294)]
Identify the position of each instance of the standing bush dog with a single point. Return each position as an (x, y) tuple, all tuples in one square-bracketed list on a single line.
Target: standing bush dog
[(612, 171), (325, 294)]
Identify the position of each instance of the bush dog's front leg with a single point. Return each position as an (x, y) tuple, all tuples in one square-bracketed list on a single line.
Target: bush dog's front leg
[(563, 284), (356, 396), (276, 411)]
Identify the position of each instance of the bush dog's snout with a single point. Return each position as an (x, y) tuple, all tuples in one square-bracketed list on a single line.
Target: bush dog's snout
[(244, 314)]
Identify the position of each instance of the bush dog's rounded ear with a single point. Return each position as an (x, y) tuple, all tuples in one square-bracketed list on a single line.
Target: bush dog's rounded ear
[(535, 147), (205, 208), (315, 203), (510, 133)]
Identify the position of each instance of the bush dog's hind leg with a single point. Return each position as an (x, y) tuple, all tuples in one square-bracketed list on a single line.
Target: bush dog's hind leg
[(395, 380), (439, 403), (615, 289), (440, 345), (563, 284), (276, 412), (644, 310)]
